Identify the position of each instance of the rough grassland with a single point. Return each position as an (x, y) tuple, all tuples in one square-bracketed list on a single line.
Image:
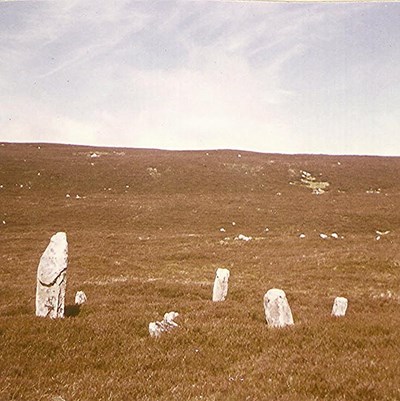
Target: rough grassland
[(144, 239)]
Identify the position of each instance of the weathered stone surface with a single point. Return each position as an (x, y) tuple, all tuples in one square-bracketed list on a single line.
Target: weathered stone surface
[(220, 289), (277, 309), (80, 298), (167, 324), (339, 306), (51, 278)]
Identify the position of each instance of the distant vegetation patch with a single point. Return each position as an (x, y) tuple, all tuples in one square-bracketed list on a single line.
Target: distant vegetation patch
[(244, 168), (153, 172), (309, 181)]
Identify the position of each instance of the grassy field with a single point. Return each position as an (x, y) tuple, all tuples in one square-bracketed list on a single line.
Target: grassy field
[(144, 239)]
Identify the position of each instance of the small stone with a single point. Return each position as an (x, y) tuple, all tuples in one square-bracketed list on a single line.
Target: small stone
[(323, 236), (80, 298), (220, 289), (339, 306), (222, 230), (51, 278), (277, 309), (302, 236), (335, 235)]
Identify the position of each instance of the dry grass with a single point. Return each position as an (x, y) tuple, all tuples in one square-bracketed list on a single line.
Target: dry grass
[(151, 244)]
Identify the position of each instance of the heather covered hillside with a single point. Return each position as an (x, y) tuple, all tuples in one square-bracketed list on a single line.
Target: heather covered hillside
[(146, 231)]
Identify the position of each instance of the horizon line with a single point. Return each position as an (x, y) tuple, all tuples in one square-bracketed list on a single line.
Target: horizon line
[(2, 143)]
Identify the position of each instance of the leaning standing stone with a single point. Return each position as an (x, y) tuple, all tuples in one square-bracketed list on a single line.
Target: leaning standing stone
[(220, 289), (339, 306), (51, 278), (277, 309)]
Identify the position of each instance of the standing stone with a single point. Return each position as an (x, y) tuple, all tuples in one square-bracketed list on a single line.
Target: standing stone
[(220, 289), (277, 309), (80, 298), (339, 306), (51, 278)]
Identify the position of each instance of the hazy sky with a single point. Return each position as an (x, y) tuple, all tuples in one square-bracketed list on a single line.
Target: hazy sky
[(270, 77)]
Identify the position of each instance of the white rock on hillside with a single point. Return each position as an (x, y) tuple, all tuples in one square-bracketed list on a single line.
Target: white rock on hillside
[(243, 237), (51, 278), (220, 290), (277, 309), (339, 306)]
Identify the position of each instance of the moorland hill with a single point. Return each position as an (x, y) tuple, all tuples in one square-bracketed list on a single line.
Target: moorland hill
[(146, 231)]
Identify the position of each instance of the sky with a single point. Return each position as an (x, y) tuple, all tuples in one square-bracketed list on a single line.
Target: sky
[(248, 75)]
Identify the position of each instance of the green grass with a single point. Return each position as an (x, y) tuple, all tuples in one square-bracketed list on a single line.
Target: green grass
[(141, 251)]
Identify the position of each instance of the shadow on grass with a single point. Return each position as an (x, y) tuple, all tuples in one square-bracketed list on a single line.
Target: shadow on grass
[(72, 310)]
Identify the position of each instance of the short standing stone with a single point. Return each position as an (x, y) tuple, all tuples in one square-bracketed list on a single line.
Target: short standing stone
[(80, 298), (51, 278), (220, 289), (277, 309), (339, 306)]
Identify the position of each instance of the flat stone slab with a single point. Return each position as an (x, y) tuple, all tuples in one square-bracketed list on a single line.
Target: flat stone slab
[(167, 324)]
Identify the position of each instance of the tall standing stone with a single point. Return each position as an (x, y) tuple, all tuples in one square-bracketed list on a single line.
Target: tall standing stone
[(51, 278), (277, 309), (220, 289), (339, 306)]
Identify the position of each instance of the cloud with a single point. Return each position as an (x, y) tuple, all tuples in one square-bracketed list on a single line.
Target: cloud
[(250, 75)]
